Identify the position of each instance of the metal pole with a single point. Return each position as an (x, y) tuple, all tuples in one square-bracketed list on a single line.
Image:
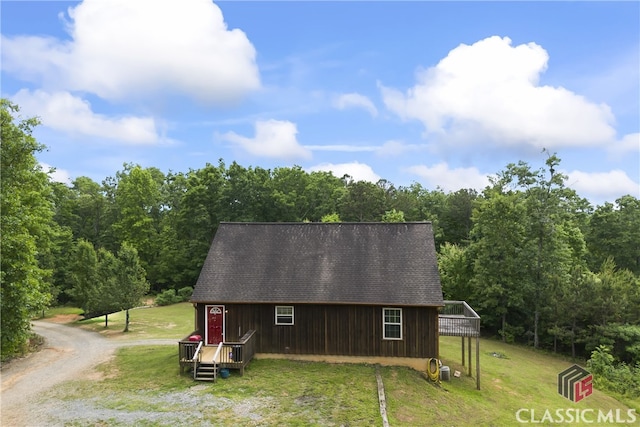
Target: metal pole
[(463, 350), (469, 354), (477, 362)]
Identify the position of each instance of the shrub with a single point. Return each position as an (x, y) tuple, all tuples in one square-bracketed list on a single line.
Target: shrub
[(609, 375), (185, 293), (168, 297)]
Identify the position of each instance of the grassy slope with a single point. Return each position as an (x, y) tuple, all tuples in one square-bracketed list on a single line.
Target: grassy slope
[(173, 321), (300, 393), (524, 379)]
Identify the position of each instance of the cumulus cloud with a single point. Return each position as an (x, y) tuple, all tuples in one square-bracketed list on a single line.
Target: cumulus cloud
[(601, 186), (153, 46), (64, 112), (489, 91), (628, 144), (273, 138), (355, 100), (358, 171), (440, 175)]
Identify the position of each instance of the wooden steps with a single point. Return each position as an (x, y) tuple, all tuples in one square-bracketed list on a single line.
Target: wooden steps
[(206, 372)]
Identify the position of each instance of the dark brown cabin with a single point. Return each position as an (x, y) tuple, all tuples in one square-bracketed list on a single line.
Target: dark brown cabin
[(347, 289)]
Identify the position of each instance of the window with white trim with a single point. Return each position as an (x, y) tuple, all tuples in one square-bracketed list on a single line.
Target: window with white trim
[(284, 315), (392, 323)]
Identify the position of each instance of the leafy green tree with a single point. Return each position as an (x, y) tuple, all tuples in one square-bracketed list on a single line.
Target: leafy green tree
[(455, 272), (323, 194), (393, 216), (90, 209), (137, 198), (424, 205), (332, 217), (195, 208), (83, 275), (131, 279), (289, 194), (176, 238), (363, 202), (455, 216), (547, 205), (614, 231), (246, 195), (104, 299), (107, 284), (570, 309), (25, 222), (501, 252)]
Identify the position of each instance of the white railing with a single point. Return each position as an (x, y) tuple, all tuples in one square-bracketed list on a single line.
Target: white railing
[(196, 358), (216, 355)]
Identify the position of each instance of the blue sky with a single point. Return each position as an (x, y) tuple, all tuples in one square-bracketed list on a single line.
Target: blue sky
[(440, 93)]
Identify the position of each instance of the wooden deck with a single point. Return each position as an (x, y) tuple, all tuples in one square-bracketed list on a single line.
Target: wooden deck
[(458, 319), (210, 350), (232, 355), (451, 325)]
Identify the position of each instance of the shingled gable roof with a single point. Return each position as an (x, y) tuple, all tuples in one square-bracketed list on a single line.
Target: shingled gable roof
[(333, 263)]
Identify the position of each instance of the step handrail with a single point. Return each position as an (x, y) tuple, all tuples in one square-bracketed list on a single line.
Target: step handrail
[(196, 358), (217, 353), (215, 357)]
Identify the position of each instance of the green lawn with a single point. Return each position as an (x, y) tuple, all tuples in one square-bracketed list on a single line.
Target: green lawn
[(280, 392), (172, 321)]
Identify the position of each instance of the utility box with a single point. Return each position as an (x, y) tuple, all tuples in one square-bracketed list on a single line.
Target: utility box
[(445, 374)]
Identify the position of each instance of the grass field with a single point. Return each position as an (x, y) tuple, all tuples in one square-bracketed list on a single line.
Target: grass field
[(172, 321), (280, 392)]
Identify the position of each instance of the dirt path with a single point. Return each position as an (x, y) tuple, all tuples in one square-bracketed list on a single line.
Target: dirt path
[(67, 352)]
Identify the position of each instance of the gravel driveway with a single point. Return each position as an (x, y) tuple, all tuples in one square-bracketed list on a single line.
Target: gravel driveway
[(67, 352)]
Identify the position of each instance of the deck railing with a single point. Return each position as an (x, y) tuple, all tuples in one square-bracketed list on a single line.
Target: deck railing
[(231, 355), (186, 351), (237, 355), (196, 359), (458, 319)]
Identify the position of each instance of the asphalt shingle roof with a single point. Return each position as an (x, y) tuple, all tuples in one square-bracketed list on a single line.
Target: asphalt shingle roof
[(338, 263)]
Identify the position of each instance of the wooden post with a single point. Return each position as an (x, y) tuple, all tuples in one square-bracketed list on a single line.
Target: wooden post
[(470, 354), (381, 399), (463, 351), (477, 362)]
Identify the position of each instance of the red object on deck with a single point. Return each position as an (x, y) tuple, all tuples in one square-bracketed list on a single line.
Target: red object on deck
[(195, 338)]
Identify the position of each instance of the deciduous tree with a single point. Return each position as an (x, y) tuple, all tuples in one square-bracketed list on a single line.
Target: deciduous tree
[(27, 213)]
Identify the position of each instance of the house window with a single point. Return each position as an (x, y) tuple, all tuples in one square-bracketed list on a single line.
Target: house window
[(392, 323), (284, 315)]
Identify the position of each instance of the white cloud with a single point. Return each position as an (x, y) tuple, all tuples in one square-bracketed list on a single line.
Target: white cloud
[(628, 144), (440, 175), (397, 148), (389, 148), (64, 112), (121, 49), (274, 138), (488, 92), (358, 171), (58, 175), (343, 148), (355, 100), (601, 186)]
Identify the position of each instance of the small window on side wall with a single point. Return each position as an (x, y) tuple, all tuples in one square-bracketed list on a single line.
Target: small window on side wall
[(392, 323), (284, 315)]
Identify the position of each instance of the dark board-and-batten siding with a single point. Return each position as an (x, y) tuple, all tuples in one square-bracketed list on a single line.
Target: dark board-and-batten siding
[(348, 330)]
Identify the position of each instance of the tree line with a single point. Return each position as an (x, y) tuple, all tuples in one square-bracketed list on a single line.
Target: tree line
[(539, 263)]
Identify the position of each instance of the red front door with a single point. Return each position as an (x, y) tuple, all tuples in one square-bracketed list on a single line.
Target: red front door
[(215, 324)]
